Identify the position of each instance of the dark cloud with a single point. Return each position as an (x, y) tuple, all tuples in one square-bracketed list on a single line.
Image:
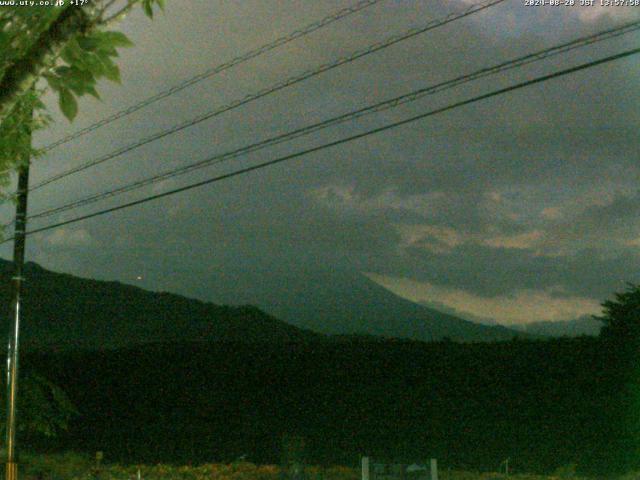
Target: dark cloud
[(499, 271), (552, 168)]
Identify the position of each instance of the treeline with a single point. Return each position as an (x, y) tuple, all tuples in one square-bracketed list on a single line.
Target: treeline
[(543, 404)]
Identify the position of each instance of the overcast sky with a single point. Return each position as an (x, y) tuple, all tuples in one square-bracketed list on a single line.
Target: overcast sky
[(519, 208)]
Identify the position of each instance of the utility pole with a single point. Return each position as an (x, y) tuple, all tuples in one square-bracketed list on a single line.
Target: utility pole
[(11, 472)]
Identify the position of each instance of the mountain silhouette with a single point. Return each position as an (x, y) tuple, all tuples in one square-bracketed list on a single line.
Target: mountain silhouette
[(585, 325), (349, 303), (63, 311)]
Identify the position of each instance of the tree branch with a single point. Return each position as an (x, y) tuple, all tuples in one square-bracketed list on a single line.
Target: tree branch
[(106, 7), (119, 14), (24, 73)]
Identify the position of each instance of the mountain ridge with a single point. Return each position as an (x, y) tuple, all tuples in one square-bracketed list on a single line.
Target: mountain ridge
[(344, 303), (585, 325), (63, 311)]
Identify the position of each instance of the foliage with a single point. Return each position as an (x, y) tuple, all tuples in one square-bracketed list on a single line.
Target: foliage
[(73, 466), (71, 71), (15, 133), (56, 467), (566, 471), (44, 409), (20, 29), (621, 317), (543, 404), (87, 59), (620, 337)]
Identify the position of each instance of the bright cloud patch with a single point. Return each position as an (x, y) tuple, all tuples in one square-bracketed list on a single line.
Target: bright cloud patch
[(522, 307), (66, 238), (594, 12), (434, 238), (345, 198), (524, 240)]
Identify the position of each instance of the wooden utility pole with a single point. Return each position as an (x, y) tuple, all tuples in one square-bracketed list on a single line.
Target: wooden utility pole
[(12, 353)]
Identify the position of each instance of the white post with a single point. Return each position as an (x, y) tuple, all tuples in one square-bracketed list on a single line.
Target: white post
[(434, 469), (365, 468)]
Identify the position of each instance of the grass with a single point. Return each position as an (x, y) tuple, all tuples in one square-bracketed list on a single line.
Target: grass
[(72, 466)]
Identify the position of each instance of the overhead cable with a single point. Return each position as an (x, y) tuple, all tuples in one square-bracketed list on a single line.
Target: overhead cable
[(341, 141), (312, 27), (374, 108), (273, 88)]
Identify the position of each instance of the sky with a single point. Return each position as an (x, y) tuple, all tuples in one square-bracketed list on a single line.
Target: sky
[(524, 207)]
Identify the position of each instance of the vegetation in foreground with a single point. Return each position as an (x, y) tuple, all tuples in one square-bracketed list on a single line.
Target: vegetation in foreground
[(543, 404), (73, 466)]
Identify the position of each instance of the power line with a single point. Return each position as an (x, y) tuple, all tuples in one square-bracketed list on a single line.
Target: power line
[(374, 131), (274, 88), (374, 108), (312, 27)]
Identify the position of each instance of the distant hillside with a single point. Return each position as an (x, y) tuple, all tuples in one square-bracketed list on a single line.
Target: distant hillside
[(586, 325), (63, 311), (468, 405), (350, 303)]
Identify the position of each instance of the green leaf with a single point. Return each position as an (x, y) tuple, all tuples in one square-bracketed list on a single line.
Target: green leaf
[(53, 81), (72, 52), (161, 4), (68, 104), (89, 43), (93, 92), (62, 71), (148, 9), (73, 78), (107, 51), (80, 75), (78, 89), (116, 39), (111, 71), (93, 64)]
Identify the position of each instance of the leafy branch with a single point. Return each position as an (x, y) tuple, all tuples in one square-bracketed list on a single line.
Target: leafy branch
[(70, 47)]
